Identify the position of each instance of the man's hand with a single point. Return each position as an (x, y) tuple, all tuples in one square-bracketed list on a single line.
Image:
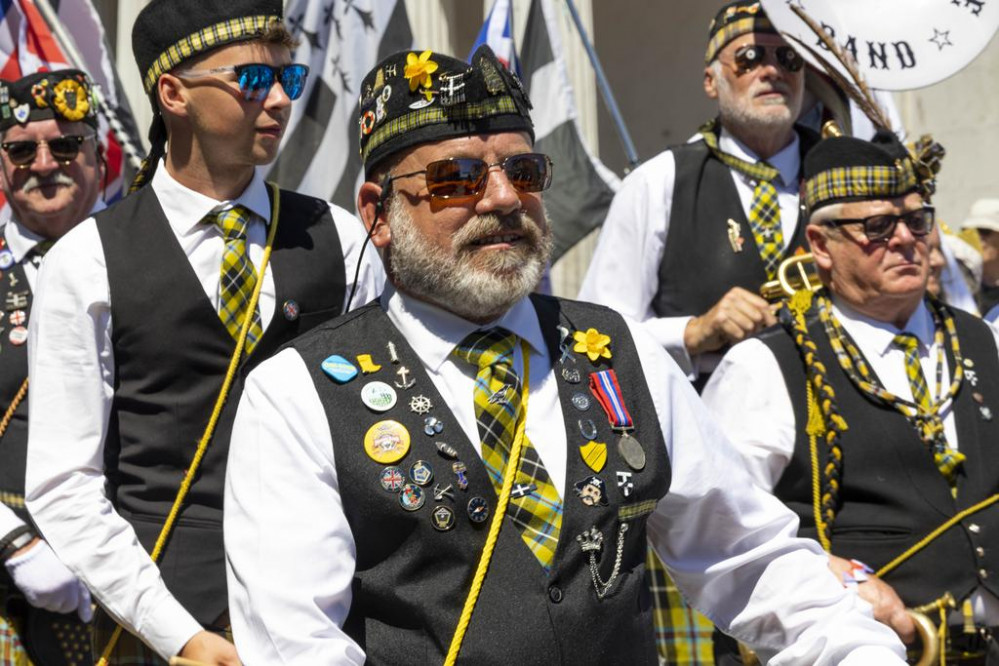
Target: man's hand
[(888, 607), (209, 648), (46, 582), (738, 314)]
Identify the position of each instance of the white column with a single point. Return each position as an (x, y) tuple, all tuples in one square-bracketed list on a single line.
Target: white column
[(128, 72), (430, 23)]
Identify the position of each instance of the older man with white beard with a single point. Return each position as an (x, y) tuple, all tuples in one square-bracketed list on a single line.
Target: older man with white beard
[(723, 207), (463, 468)]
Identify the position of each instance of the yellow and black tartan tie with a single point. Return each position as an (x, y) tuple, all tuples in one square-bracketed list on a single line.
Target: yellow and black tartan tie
[(946, 458), (537, 514), (238, 278), (764, 220)]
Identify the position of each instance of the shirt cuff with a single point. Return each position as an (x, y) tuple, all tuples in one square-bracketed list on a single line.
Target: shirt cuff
[(668, 332), (168, 627), (869, 655)]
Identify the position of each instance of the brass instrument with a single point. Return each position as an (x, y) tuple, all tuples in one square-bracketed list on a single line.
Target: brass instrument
[(926, 630), (794, 274)]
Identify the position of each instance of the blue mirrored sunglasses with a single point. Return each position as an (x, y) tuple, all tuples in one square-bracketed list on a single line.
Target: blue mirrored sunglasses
[(256, 79)]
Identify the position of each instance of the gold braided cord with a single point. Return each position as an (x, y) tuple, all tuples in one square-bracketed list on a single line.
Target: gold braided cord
[(494, 527), (206, 438), (929, 538), (824, 418), (14, 404)]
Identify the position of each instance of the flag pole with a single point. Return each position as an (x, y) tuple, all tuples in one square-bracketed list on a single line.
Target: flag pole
[(134, 155), (605, 90)]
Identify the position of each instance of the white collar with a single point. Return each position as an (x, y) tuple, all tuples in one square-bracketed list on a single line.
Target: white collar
[(433, 333), (185, 209), (787, 160), (878, 336), (20, 239)]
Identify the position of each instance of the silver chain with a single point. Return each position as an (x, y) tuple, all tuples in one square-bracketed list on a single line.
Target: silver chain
[(599, 585)]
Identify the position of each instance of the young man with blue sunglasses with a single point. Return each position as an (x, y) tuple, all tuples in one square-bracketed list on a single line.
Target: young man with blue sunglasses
[(150, 304)]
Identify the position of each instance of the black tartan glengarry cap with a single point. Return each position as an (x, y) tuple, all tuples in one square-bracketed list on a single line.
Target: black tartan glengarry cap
[(733, 20), (414, 97), (168, 32), (62, 94), (843, 169)]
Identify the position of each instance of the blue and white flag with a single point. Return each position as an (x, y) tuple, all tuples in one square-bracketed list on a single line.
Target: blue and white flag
[(497, 32), (582, 187), (340, 42)]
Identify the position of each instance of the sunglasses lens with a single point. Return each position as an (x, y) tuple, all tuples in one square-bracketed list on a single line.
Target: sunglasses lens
[(529, 173), (21, 153), (789, 59), (255, 81), (920, 221), (65, 148), (880, 227), (749, 56), (459, 177), (293, 79)]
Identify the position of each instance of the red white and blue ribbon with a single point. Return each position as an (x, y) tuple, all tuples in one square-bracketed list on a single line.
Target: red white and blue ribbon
[(604, 386)]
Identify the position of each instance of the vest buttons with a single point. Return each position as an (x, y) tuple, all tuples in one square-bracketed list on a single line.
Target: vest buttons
[(974, 528), (555, 593), (980, 551)]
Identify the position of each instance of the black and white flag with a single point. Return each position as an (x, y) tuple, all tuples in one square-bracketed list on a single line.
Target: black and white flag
[(341, 40), (582, 187)]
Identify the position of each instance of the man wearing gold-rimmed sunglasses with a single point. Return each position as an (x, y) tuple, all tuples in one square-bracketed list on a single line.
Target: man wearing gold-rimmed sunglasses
[(156, 306), (462, 424), (51, 170)]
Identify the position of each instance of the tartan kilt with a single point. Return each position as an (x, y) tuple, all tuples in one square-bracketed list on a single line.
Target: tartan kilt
[(683, 636), (129, 650)]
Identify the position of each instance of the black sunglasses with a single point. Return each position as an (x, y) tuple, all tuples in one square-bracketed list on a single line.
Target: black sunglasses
[(882, 227), (459, 177), (64, 149), (256, 79), (751, 56)]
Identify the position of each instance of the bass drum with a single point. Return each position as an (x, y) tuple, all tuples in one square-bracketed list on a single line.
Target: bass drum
[(897, 44)]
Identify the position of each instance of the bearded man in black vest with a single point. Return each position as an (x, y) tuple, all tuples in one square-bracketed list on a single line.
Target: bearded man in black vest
[(381, 450), (871, 411), (155, 305), (51, 175), (695, 232)]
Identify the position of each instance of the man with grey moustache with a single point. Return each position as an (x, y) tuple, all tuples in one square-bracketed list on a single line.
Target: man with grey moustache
[(476, 488), (51, 168)]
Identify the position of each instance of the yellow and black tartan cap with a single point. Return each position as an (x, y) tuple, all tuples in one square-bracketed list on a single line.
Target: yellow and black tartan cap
[(734, 20), (168, 32), (843, 169), (414, 97), (63, 94)]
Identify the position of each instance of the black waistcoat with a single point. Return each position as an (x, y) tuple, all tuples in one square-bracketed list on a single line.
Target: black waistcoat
[(13, 371), (892, 493), (411, 581), (698, 265), (171, 354)]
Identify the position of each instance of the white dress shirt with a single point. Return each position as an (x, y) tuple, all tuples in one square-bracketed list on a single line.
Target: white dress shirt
[(624, 271), (730, 546), (748, 396), (72, 385)]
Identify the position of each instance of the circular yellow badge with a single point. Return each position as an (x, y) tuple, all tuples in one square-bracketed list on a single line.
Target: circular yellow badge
[(387, 442)]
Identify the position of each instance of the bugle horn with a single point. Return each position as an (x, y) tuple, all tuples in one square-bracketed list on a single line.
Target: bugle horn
[(794, 274)]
